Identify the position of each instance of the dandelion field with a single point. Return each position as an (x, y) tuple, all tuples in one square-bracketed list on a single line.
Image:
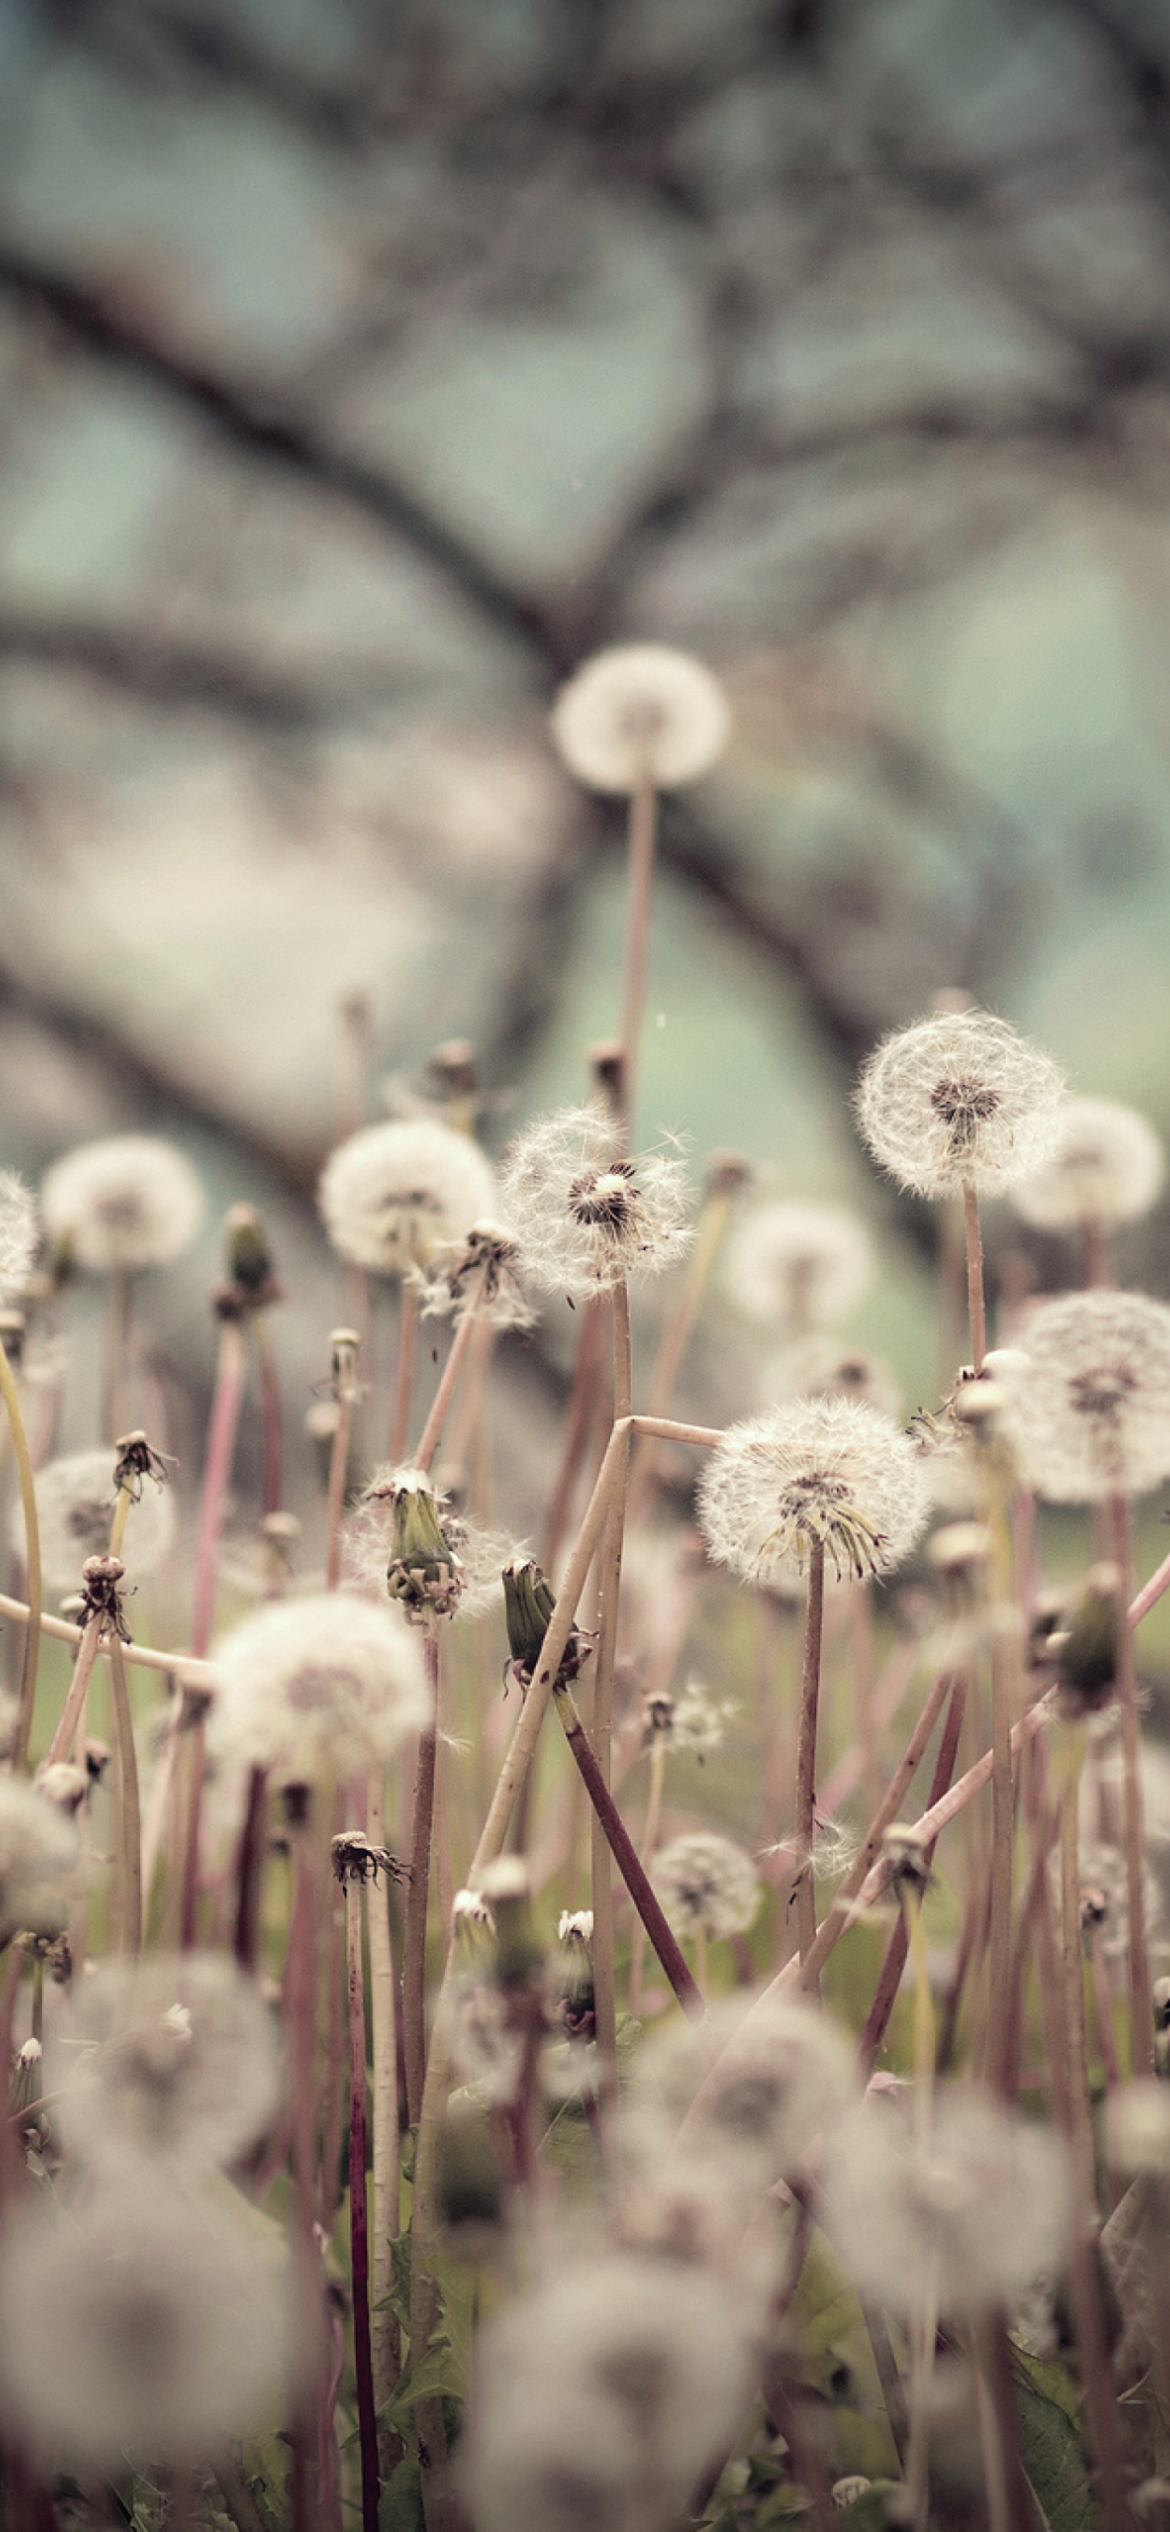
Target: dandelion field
[(663, 2023)]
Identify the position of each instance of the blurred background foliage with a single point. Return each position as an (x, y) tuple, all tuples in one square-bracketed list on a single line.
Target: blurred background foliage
[(365, 365)]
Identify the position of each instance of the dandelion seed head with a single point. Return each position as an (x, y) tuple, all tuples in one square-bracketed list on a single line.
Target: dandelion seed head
[(575, 1925), (394, 1194), (126, 1202), (960, 1099), (783, 2077), (1107, 1167), (315, 1690), (150, 2323), (1137, 2126), (478, 1276), (798, 1266), (706, 1884), (591, 1218), (976, 2209), (171, 2060), (820, 1368), (75, 1506), (1092, 1410), (19, 1233), (38, 1861), (641, 713), (692, 1722), (820, 1469)]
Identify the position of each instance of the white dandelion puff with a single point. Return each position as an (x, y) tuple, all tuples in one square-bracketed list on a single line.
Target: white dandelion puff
[(478, 1276), (19, 1233), (641, 714), (821, 1368), (315, 1690), (707, 1885), (75, 1506), (756, 2087), (1092, 1407), (693, 1722), (167, 2060), (123, 1203), (394, 1194), (824, 1470), (1137, 2127), (1107, 1167), (591, 1218), (38, 1861), (147, 2323), (798, 1266), (974, 2210), (961, 1100)]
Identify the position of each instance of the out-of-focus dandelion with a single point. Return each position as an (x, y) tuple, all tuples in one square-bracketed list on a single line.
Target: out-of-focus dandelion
[(394, 1194), (753, 2091), (1093, 1404), (693, 1721), (707, 1885), (121, 1204), (973, 2209), (829, 1471), (171, 2059), (1107, 1167), (316, 1690), (75, 1507), (592, 1219), (19, 1233), (798, 1266), (818, 1368), (641, 715), (480, 1274), (38, 1861), (960, 1101)]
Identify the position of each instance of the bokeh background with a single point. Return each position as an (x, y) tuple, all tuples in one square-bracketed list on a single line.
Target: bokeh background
[(365, 366)]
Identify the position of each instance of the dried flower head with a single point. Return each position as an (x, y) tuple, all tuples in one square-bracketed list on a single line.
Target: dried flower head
[(171, 2059), (394, 1194), (973, 2211), (599, 2399), (478, 1276), (821, 1368), (19, 1233), (1093, 1407), (693, 1721), (75, 1506), (1107, 1167), (641, 714), (756, 2087), (1137, 2127), (961, 1100), (798, 1266), (591, 1218), (707, 1884), (126, 1202), (406, 1538), (315, 1690), (150, 2323), (822, 1469), (38, 1860)]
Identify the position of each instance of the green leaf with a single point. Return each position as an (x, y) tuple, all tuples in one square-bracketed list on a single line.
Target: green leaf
[(1050, 2441), (401, 2509), (439, 2375)]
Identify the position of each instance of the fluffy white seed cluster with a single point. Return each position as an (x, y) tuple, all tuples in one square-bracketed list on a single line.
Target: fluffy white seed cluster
[(1107, 1167), (148, 2323), (122, 1203), (798, 1266), (820, 1469), (974, 2211), (1093, 1403), (961, 1100), (168, 2061), (707, 1885), (478, 1277), (602, 2397), (640, 715), (315, 1690), (823, 1368), (75, 1506), (591, 1218), (693, 1722), (751, 2093), (394, 1194), (19, 1233), (38, 1861)]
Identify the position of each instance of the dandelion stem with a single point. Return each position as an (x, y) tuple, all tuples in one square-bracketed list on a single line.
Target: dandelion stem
[(578, 1418), (806, 1759), (345, 1390), (221, 1435), (1141, 2034), (642, 836), (250, 1870), (403, 1371), (1002, 1824), (1072, 1953), (649, 1842), (128, 1814), (625, 1853), (609, 1586), (976, 1305), (414, 1942), (358, 2218), (676, 1334), (271, 1422), (174, 1665), (117, 1353), (62, 1741), (432, 1429), (386, 2355), (32, 1547), (898, 1946)]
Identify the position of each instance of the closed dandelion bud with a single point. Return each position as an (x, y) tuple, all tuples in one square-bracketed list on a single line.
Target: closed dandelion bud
[(249, 1258), (171, 2060), (422, 1573), (507, 1888), (529, 1602), (572, 1974), (1086, 1651), (821, 1470), (64, 1785), (707, 1885), (1093, 1406), (1107, 1167), (12, 1335), (903, 1853), (640, 714), (75, 1507), (28, 2080), (127, 1202), (394, 1194), (316, 1690), (960, 1100), (38, 1860), (798, 1266), (978, 2207), (406, 1538), (591, 1217)]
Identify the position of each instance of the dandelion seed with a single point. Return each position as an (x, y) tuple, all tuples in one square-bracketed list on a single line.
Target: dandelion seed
[(1107, 1167), (821, 1469), (121, 1204), (707, 1885), (171, 2059), (798, 1266), (38, 1860), (1093, 1406), (394, 1194), (976, 2209), (75, 1506), (640, 714), (592, 1219), (316, 1690), (961, 1100)]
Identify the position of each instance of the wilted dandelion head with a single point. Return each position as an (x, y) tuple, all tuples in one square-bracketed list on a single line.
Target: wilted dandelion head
[(315, 1690), (798, 1266), (761, 2085), (1092, 1407), (960, 1100), (171, 2059), (149, 2323), (19, 1233), (825, 1470), (480, 1276), (38, 1860), (406, 1538), (707, 1884), (599, 2399), (75, 1506), (693, 1721), (591, 1218), (974, 2210), (641, 714), (1107, 1167), (126, 1202), (823, 1368), (394, 1194)]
